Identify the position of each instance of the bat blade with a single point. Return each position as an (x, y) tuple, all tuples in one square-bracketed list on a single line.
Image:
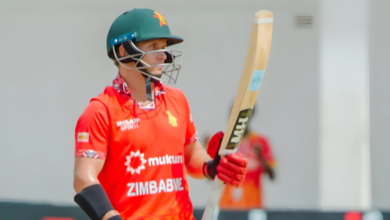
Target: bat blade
[(252, 75)]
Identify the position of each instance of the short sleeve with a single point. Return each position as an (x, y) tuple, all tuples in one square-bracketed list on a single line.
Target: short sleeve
[(191, 135), (92, 132), (266, 151)]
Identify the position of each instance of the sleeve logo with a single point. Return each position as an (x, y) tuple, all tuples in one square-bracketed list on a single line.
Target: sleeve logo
[(83, 137)]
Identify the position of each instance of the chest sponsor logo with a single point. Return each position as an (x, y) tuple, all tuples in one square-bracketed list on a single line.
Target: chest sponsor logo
[(136, 161), (154, 187), (155, 161), (128, 124)]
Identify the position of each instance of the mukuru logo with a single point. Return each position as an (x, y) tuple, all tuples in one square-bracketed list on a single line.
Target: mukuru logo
[(137, 161)]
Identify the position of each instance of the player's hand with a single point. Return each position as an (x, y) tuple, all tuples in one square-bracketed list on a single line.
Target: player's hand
[(230, 169), (270, 172), (266, 167)]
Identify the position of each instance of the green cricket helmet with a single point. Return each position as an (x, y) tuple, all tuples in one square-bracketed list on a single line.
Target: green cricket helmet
[(140, 25)]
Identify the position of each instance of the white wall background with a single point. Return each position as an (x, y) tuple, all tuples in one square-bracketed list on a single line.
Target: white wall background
[(380, 99), (344, 98), (53, 60)]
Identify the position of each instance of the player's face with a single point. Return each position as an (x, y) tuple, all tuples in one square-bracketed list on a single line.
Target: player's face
[(154, 58)]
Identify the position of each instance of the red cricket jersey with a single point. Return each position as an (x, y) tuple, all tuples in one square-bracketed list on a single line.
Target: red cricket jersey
[(144, 174), (249, 194)]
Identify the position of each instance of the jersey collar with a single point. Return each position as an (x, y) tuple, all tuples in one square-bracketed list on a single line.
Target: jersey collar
[(120, 85)]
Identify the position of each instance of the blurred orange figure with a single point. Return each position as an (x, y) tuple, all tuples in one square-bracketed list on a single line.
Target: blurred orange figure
[(257, 150)]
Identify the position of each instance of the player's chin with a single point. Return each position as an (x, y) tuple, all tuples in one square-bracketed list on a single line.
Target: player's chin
[(156, 72)]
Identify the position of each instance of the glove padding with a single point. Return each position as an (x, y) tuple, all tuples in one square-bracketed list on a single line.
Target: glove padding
[(230, 169)]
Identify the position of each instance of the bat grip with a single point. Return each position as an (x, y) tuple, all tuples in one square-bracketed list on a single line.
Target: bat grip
[(213, 199)]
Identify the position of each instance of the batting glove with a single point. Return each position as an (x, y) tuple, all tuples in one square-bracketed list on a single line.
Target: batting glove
[(230, 169)]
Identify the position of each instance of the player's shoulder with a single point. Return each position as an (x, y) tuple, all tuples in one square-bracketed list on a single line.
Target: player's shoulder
[(98, 104), (95, 111), (174, 93), (94, 107), (108, 94), (111, 98)]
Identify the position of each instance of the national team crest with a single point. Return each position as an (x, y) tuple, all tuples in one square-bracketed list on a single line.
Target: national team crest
[(161, 18), (172, 119), (135, 162)]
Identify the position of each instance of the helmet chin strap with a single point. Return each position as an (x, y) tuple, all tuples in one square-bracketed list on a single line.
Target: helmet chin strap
[(148, 83), (148, 89)]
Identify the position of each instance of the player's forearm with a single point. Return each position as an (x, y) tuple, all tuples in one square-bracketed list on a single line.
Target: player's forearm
[(196, 156), (195, 165)]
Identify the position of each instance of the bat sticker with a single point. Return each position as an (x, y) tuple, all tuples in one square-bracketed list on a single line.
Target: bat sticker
[(256, 80)]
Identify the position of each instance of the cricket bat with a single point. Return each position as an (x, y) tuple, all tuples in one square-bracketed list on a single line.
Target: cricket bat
[(251, 78)]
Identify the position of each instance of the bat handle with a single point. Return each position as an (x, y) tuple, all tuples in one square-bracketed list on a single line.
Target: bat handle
[(213, 199)]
